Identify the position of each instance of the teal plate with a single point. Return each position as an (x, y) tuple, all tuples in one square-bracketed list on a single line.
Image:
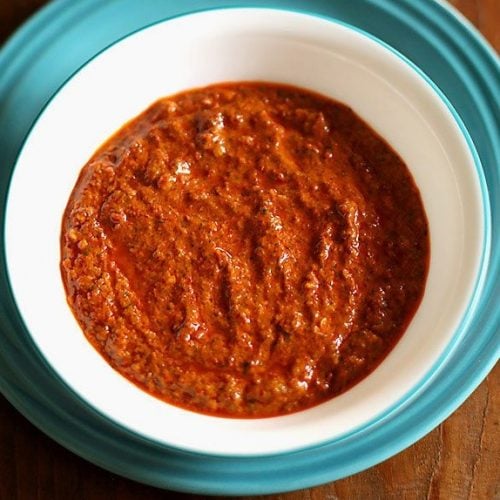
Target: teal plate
[(66, 34)]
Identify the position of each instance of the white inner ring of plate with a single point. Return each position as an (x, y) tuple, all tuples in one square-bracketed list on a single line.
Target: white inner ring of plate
[(243, 44)]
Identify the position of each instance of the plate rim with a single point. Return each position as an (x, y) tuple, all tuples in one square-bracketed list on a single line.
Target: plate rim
[(465, 317)]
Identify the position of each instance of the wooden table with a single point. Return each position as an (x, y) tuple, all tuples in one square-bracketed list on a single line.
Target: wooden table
[(458, 460)]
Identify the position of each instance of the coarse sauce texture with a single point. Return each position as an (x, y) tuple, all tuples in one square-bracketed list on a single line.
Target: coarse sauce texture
[(245, 249)]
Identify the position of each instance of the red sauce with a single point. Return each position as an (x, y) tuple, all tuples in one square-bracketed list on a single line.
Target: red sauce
[(245, 249)]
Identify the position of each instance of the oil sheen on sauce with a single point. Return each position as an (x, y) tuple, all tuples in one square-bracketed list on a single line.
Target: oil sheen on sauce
[(245, 249)]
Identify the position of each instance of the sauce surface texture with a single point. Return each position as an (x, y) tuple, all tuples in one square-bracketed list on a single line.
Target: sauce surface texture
[(245, 249)]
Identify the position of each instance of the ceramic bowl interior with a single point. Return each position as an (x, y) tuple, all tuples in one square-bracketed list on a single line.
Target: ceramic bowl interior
[(227, 45)]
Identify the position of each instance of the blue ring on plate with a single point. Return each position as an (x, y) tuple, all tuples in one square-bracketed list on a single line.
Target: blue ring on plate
[(486, 216), (128, 455)]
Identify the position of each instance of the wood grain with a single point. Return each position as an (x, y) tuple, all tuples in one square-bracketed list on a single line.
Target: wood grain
[(458, 460), (485, 15)]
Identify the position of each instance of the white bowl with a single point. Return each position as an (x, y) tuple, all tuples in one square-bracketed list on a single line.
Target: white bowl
[(244, 44)]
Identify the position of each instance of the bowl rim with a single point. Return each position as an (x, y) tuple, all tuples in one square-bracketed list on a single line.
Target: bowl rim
[(465, 317)]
